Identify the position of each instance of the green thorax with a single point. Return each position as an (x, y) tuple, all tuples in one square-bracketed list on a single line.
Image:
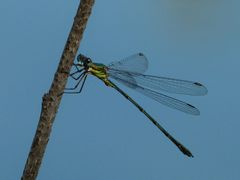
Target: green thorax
[(98, 70)]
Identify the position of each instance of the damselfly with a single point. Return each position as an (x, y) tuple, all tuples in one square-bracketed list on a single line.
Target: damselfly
[(129, 72)]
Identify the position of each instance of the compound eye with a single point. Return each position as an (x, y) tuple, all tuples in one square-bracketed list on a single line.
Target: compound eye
[(79, 58), (89, 60)]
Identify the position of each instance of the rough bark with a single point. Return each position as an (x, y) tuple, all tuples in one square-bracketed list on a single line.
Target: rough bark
[(51, 100)]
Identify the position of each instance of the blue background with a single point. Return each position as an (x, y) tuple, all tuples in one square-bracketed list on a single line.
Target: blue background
[(100, 135)]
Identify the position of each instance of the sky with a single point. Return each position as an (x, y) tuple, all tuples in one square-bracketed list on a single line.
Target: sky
[(98, 134)]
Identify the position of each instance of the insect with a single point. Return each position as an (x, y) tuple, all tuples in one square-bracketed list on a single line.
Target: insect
[(129, 72)]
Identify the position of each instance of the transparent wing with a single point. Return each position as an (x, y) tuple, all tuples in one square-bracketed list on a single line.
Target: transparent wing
[(170, 85), (161, 98), (136, 63), (169, 101)]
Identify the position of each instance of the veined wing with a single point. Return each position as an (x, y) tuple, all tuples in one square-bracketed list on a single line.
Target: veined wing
[(136, 63), (159, 97), (170, 85)]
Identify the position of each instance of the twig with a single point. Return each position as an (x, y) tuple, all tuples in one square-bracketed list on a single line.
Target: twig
[(51, 100)]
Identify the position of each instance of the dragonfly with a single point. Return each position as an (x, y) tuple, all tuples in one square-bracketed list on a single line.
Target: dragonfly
[(130, 72)]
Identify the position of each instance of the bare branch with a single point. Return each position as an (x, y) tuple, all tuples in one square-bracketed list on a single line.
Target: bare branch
[(51, 100)]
